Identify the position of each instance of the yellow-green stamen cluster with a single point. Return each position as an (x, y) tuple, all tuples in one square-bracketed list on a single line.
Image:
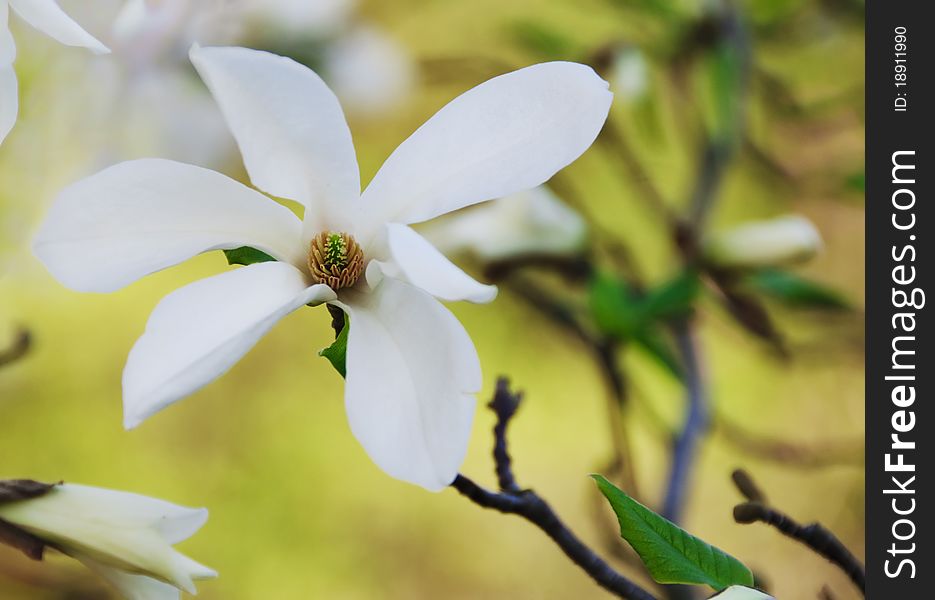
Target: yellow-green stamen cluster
[(335, 259)]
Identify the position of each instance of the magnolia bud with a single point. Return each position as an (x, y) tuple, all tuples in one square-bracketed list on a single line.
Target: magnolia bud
[(764, 243), (739, 592), (530, 222), (125, 538)]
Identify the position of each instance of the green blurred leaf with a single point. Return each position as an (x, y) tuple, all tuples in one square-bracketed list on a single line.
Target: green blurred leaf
[(614, 306), (857, 182), (245, 255), (621, 313), (794, 290), (541, 40), (675, 298), (336, 353), (654, 342), (671, 554)]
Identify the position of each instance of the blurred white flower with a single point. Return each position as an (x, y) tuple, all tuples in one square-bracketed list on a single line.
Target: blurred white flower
[(412, 370), (739, 592), (629, 74), (125, 538), (774, 242), (47, 17), (299, 17), (147, 102), (368, 71), (533, 221)]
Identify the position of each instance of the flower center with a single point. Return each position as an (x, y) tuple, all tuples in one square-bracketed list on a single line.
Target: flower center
[(335, 259)]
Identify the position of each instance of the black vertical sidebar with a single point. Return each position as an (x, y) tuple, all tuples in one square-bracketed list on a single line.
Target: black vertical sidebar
[(900, 373)]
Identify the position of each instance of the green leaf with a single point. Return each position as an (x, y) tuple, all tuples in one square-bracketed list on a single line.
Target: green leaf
[(336, 353), (671, 554), (245, 255), (654, 342), (794, 290)]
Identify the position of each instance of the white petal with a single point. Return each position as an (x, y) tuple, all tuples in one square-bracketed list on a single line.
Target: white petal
[(9, 99), (7, 46), (126, 510), (141, 216), (47, 17), (290, 128), (508, 134), (132, 587), (199, 331), (412, 373), (422, 265)]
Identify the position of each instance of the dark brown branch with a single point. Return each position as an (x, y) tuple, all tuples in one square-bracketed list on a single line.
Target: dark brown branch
[(814, 535), (504, 404), (784, 452), (18, 349), (529, 505)]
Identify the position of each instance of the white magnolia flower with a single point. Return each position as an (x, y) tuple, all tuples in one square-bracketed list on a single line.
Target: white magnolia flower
[(739, 592), (125, 538), (412, 370), (774, 242), (533, 221), (47, 17)]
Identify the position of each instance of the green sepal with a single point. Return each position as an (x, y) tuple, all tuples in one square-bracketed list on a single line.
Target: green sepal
[(245, 255)]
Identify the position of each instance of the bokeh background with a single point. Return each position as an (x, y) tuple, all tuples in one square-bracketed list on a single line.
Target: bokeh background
[(297, 509)]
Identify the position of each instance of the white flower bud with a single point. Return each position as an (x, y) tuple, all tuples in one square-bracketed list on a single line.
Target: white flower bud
[(739, 592), (531, 222), (126, 538), (764, 243), (629, 74)]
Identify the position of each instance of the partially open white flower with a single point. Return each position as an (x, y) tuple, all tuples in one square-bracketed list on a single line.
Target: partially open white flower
[(533, 221), (47, 17), (769, 243), (126, 538), (739, 592), (412, 370)]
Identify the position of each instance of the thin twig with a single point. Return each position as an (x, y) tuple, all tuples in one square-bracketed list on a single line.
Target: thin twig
[(815, 535), (685, 444), (786, 453), (17, 349), (529, 505), (504, 404), (605, 355)]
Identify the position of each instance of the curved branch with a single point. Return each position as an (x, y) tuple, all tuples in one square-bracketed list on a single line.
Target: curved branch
[(529, 505), (17, 349), (815, 535)]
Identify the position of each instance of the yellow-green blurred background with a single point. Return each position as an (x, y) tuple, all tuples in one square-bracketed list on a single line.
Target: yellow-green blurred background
[(297, 509)]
